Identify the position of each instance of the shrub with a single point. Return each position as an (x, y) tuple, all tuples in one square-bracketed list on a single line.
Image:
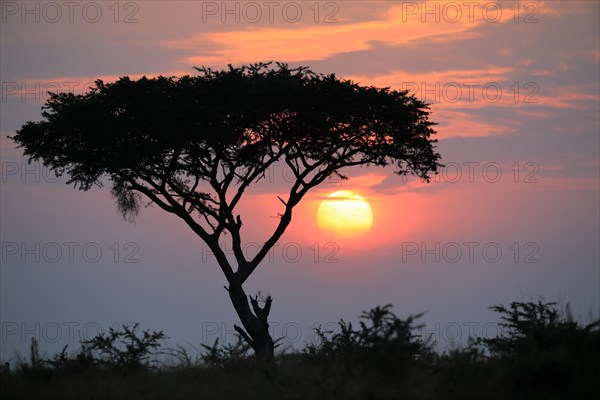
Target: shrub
[(535, 327), (383, 341), (226, 356), (124, 349)]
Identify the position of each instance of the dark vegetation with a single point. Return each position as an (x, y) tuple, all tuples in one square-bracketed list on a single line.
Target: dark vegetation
[(541, 353)]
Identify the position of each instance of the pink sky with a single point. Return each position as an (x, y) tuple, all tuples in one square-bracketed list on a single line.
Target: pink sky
[(514, 87)]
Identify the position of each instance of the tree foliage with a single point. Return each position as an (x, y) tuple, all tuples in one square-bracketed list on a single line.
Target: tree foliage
[(186, 142)]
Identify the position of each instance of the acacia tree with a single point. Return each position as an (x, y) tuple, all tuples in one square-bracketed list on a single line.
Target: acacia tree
[(193, 145)]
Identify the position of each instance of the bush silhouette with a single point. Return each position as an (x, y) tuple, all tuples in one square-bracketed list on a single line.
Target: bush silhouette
[(383, 343), (542, 353), (124, 349), (535, 327), (543, 349), (226, 356)]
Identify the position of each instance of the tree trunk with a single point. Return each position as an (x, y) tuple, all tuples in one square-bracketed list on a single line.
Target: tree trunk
[(256, 328)]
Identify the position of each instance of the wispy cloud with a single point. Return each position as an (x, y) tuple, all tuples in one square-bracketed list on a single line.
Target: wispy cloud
[(318, 42)]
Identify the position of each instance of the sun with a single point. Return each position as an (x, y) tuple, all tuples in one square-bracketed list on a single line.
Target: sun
[(345, 214)]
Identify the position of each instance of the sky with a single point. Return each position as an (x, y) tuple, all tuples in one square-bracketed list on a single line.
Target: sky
[(513, 215)]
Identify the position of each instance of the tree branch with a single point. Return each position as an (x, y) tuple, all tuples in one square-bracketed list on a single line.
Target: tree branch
[(210, 240), (262, 313), (243, 334)]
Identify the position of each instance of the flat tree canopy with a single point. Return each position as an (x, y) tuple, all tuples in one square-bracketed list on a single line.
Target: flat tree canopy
[(194, 144)]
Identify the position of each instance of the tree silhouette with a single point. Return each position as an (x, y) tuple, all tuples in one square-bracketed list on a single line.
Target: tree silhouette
[(192, 145)]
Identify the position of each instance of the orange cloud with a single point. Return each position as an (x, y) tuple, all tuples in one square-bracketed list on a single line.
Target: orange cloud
[(402, 23)]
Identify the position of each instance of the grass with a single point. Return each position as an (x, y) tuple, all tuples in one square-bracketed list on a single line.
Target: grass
[(543, 354)]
